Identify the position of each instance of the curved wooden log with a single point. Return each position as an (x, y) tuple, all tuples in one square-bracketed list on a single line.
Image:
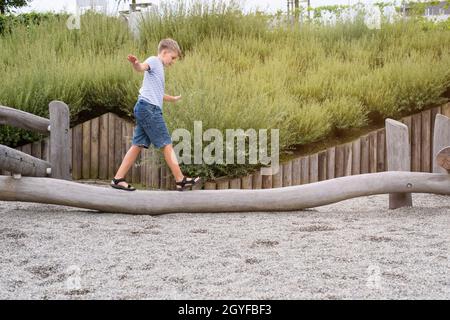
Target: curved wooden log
[(443, 158), (16, 161), (68, 193), (24, 120)]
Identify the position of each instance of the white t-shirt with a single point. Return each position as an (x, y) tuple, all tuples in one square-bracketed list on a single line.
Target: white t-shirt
[(152, 88)]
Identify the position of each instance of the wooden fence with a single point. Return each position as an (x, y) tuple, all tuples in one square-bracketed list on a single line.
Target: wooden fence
[(99, 145)]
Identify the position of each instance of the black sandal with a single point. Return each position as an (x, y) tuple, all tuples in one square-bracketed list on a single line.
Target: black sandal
[(114, 184), (187, 182)]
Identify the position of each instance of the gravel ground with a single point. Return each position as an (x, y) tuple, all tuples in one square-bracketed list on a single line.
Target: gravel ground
[(355, 249)]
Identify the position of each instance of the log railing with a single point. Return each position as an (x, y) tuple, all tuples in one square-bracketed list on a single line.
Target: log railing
[(20, 163)]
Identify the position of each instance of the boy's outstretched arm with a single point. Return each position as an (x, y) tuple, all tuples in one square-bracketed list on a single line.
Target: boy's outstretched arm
[(139, 67), (171, 98)]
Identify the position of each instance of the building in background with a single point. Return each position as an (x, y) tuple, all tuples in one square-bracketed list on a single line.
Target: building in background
[(433, 11)]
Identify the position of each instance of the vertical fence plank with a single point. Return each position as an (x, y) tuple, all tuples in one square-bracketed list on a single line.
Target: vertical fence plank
[(46, 149), (416, 135), (426, 142), (266, 181), (365, 154), (339, 160), (322, 159), (111, 144), (348, 159), (128, 138), (125, 145), (103, 147), (77, 151), (331, 163), (257, 180), (287, 174), (235, 183), (86, 168), (305, 170), (117, 143), (36, 149), (210, 185), (314, 167), (296, 171), (94, 148), (381, 150), (223, 183), (27, 148), (277, 178), (70, 151), (356, 156), (155, 169), (445, 109), (373, 152), (246, 182)]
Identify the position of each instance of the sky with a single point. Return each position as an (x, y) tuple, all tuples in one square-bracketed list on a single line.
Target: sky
[(266, 5)]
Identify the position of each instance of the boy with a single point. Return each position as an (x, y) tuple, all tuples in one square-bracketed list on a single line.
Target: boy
[(150, 125)]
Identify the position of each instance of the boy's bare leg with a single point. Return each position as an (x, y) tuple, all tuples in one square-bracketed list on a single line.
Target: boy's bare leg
[(127, 162), (172, 162)]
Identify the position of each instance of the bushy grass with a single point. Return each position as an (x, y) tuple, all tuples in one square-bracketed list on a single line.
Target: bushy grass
[(238, 71)]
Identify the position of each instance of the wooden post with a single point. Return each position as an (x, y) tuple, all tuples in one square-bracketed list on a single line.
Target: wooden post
[(59, 140), (398, 158), (441, 138)]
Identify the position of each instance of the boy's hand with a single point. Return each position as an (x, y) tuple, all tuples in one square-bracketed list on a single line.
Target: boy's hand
[(132, 59), (176, 98)]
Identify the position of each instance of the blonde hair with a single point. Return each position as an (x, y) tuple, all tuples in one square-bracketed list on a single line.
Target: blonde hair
[(169, 44)]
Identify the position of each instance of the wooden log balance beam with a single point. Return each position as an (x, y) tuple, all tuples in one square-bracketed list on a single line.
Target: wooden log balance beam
[(18, 162), (68, 193)]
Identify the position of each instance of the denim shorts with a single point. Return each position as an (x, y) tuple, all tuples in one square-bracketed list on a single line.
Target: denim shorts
[(150, 126)]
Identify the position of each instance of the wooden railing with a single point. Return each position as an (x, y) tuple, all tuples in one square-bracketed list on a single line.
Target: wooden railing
[(20, 163), (98, 146)]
